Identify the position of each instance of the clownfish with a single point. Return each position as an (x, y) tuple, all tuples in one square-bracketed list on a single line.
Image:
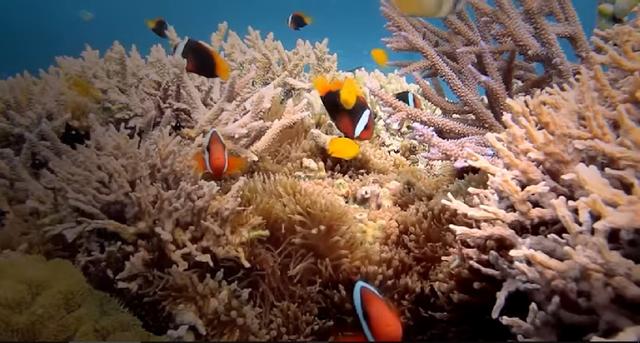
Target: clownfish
[(201, 59), (347, 107), (298, 20), (380, 57), (158, 26), (428, 8), (409, 99), (378, 319), (343, 148), (214, 158)]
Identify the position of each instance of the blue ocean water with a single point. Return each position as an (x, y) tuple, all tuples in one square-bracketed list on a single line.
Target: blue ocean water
[(33, 32)]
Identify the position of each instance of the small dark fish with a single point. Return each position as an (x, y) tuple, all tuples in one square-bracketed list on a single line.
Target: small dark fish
[(158, 26), (3, 215), (202, 60), (352, 70), (72, 136), (38, 163), (298, 20), (177, 126), (409, 99)]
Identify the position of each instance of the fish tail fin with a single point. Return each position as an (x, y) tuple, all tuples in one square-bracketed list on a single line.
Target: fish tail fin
[(222, 67), (307, 19), (198, 162), (151, 23), (236, 165)]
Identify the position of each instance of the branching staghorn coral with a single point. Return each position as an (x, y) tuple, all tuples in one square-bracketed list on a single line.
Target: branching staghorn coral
[(497, 50), (267, 255), (127, 205), (194, 259), (558, 222)]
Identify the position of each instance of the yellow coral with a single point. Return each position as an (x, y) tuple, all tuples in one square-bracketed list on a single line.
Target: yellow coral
[(50, 300), (83, 88)]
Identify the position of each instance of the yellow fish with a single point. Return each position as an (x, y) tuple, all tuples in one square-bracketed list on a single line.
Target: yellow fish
[(343, 148), (380, 57), (428, 8)]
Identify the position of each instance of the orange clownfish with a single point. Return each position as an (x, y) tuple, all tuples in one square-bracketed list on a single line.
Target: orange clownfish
[(298, 20), (378, 319), (215, 159), (201, 59), (346, 106), (409, 99)]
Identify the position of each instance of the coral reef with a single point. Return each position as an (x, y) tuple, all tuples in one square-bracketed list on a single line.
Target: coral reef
[(529, 227), (107, 181), (50, 300), (558, 221), (498, 49), (126, 203)]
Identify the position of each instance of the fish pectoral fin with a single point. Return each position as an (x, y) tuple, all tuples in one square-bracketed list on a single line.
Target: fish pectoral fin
[(236, 164), (198, 162)]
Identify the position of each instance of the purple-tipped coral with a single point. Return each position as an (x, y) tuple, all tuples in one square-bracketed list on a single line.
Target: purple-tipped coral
[(558, 222), (497, 50)]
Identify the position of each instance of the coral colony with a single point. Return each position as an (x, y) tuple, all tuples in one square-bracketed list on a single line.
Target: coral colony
[(507, 214)]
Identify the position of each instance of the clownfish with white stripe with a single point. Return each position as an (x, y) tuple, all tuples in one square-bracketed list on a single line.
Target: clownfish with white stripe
[(215, 159), (298, 20), (409, 99), (201, 59), (347, 107), (379, 320)]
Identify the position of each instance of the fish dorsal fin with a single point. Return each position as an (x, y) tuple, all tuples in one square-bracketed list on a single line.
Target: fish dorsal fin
[(321, 84), (349, 93)]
